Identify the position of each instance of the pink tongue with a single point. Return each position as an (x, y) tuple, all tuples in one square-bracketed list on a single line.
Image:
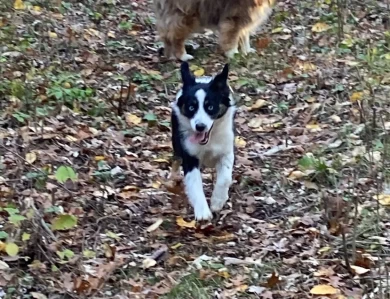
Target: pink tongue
[(197, 137)]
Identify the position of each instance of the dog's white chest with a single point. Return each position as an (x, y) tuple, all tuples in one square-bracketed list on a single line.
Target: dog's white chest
[(210, 153)]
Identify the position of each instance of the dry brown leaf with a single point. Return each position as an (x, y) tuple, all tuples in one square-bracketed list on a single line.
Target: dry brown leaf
[(182, 223), (262, 43), (240, 142), (155, 225), (313, 127), (273, 280), (19, 5), (359, 270), (258, 104), (224, 238), (31, 157), (296, 175), (384, 199), (320, 27), (356, 96), (325, 272), (148, 263), (132, 119), (323, 289)]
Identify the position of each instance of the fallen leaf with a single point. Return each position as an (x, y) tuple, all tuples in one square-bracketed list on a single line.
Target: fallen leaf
[(335, 118), (320, 27), (262, 43), (224, 274), (155, 225), (112, 235), (242, 288), (182, 223), (240, 142), (256, 289), (259, 104), (64, 222), (26, 237), (31, 157), (296, 175), (148, 263), (133, 119), (63, 173), (160, 160), (111, 34), (384, 199), (19, 5), (273, 280), (156, 185), (324, 272), (52, 34), (11, 249), (2, 246), (199, 72), (323, 289), (359, 270), (37, 295), (3, 265), (176, 246), (356, 96), (224, 238), (313, 127)]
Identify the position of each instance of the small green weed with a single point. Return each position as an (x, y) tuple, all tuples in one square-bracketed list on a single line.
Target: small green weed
[(193, 287)]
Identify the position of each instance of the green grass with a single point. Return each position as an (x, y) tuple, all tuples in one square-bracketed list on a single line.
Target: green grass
[(193, 287)]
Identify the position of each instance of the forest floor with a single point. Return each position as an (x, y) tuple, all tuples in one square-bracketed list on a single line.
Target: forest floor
[(86, 206)]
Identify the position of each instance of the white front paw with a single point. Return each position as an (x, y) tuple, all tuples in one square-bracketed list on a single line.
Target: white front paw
[(217, 203), (231, 52), (186, 57), (203, 213), (251, 50)]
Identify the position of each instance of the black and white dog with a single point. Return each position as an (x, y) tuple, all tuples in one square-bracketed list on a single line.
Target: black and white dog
[(203, 135)]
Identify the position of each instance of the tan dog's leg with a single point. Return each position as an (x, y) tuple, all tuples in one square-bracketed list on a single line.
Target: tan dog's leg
[(174, 36), (228, 37), (244, 42)]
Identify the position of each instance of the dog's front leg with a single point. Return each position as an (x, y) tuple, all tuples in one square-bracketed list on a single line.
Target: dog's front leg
[(194, 190), (224, 180)]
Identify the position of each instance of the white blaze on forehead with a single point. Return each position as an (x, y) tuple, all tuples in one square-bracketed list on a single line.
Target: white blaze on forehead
[(200, 95), (201, 117)]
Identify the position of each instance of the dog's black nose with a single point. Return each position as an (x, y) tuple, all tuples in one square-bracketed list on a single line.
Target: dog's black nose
[(200, 127)]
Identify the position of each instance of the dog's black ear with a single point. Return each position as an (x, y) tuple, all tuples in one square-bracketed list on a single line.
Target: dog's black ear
[(186, 76), (220, 81)]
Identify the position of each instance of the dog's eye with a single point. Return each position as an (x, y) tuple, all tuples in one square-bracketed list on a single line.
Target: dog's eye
[(211, 107), (191, 108)]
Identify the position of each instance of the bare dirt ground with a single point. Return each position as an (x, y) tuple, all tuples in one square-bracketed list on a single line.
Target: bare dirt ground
[(86, 209)]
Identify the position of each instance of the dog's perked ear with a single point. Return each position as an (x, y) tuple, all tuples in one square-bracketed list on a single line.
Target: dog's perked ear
[(186, 75), (220, 81)]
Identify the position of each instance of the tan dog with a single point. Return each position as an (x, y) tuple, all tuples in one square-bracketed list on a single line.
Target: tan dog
[(235, 20)]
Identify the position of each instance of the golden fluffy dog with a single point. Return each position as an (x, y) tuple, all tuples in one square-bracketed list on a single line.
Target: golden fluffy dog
[(234, 20)]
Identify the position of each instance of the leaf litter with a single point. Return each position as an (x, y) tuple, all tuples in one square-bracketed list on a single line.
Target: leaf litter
[(87, 173)]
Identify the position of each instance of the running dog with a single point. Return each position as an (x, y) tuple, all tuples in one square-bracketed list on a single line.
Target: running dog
[(202, 121), (234, 20)]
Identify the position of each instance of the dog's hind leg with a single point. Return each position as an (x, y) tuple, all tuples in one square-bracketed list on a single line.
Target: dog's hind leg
[(224, 179), (229, 37)]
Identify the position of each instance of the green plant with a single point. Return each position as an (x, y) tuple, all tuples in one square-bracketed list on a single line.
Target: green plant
[(318, 169), (67, 89)]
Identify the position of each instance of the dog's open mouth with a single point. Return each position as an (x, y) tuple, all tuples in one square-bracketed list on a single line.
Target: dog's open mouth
[(201, 137)]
